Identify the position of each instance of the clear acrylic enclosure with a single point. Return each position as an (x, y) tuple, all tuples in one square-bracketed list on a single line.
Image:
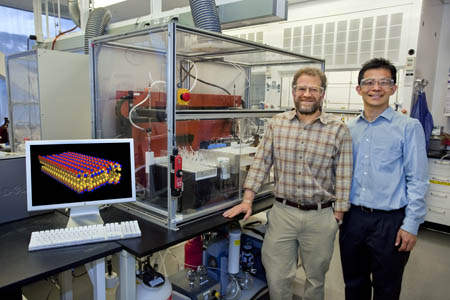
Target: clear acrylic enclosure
[(48, 96), (24, 99), (195, 103)]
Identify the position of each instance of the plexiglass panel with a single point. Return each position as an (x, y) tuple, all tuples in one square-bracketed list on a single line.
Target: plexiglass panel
[(224, 92), (23, 91)]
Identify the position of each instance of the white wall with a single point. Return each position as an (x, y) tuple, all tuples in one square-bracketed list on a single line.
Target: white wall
[(346, 33), (425, 28), (442, 73)]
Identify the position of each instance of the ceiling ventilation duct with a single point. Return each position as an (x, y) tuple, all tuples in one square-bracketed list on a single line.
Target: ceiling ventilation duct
[(204, 13), (96, 24)]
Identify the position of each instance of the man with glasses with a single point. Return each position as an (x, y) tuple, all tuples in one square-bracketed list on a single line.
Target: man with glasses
[(312, 159), (388, 189)]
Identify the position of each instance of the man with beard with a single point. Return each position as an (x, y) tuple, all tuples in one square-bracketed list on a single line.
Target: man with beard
[(312, 159)]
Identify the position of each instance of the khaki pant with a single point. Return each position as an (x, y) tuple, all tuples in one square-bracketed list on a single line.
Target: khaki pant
[(292, 231)]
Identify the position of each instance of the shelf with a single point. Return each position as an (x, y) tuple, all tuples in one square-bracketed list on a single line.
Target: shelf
[(225, 114)]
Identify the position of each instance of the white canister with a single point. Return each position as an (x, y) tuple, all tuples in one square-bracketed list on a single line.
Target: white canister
[(224, 164), (234, 248)]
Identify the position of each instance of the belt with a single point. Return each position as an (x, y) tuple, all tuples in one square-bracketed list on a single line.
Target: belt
[(373, 210), (304, 206)]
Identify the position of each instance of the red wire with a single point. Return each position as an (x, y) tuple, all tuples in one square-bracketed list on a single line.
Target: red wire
[(60, 34)]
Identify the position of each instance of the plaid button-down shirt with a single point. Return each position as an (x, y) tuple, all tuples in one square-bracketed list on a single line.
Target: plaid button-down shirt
[(312, 162)]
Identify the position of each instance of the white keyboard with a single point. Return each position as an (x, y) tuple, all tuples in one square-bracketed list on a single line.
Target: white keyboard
[(80, 235)]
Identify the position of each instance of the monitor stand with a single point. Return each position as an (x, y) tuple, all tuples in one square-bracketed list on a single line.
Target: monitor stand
[(84, 215)]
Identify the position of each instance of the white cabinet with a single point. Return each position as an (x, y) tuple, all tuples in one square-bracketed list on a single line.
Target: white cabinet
[(438, 196)]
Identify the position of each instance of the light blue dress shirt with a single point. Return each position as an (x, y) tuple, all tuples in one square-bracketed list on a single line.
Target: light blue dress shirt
[(390, 168)]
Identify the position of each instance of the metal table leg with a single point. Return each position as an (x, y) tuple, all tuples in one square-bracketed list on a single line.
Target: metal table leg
[(127, 276)]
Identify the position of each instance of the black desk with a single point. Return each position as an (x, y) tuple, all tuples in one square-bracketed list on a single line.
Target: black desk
[(20, 267), (155, 238)]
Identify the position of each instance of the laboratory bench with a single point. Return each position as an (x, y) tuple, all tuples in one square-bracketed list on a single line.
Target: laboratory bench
[(20, 267), (155, 238)]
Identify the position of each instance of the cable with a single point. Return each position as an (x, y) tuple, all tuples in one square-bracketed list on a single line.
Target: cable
[(193, 266), (241, 72), (205, 82), (55, 285), (60, 34), (196, 73), (163, 263), (142, 102), (80, 275), (262, 291), (49, 293)]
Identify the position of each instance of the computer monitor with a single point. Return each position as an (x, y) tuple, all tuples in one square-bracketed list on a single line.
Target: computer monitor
[(81, 175)]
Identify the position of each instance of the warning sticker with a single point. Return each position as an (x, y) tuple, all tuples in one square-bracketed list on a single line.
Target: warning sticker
[(439, 182)]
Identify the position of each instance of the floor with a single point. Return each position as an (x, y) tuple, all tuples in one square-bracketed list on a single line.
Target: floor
[(426, 276)]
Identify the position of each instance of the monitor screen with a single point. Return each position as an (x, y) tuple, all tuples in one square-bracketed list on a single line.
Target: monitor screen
[(77, 173)]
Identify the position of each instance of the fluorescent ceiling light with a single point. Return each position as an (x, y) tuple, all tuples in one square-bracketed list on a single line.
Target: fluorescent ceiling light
[(103, 3)]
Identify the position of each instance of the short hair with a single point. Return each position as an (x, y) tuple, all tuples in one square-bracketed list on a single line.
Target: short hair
[(314, 72), (378, 63)]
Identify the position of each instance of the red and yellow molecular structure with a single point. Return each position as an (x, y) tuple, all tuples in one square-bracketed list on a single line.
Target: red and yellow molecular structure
[(79, 172)]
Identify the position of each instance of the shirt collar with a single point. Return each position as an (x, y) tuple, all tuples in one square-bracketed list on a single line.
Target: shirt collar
[(323, 118), (387, 114)]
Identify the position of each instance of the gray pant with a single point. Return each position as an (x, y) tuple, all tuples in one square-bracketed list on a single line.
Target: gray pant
[(291, 231)]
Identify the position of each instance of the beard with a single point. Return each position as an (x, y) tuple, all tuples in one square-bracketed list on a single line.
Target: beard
[(316, 105)]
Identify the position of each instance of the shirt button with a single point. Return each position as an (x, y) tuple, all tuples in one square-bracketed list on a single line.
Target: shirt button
[(300, 157), (365, 173), (364, 189), (366, 156), (367, 140), (299, 173)]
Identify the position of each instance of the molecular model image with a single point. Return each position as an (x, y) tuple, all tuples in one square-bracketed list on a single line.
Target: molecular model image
[(81, 173)]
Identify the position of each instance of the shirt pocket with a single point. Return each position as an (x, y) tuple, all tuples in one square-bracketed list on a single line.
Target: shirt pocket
[(387, 150), (320, 156)]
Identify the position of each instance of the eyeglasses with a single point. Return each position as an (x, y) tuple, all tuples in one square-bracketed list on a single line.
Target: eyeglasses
[(313, 89), (382, 82)]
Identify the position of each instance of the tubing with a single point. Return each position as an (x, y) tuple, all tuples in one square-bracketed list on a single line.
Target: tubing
[(204, 13), (96, 25)]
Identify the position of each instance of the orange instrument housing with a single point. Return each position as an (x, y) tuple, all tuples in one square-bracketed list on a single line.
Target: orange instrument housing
[(189, 133)]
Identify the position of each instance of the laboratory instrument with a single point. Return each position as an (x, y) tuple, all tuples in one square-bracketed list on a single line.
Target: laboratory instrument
[(190, 100)]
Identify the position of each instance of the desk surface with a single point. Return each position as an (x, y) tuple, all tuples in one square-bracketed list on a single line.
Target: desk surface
[(155, 238), (20, 267)]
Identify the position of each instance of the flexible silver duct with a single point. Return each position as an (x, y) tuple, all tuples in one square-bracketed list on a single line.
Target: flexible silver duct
[(204, 13), (74, 11), (96, 25)]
